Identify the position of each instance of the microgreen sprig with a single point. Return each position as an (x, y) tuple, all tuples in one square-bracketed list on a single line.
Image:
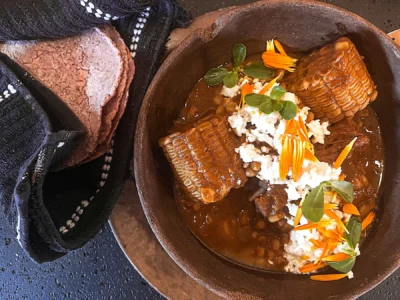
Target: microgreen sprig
[(274, 102), (230, 78)]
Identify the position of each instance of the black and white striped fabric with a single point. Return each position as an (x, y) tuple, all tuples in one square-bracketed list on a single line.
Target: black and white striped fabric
[(53, 213)]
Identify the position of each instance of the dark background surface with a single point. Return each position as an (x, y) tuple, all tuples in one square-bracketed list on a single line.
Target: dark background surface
[(100, 270)]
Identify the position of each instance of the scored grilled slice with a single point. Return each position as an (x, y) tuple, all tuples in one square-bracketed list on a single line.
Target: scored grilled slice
[(333, 81), (204, 160)]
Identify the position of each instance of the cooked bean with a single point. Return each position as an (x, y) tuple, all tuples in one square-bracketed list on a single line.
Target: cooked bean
[(276, 244), (270, 255), (282, 222), (260, 252), (230, 108), (250, 172), (280, 260), (285, 238), (218, 99), (255, 165), (220, 110), (275, 218), (364, 181), (196, 206), (254, 235), (287, 228), (225, 101), (357, 184), (262, 239), (260, 225), (246, 165)]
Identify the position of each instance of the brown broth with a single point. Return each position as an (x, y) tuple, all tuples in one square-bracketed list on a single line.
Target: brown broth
[(233, 228)]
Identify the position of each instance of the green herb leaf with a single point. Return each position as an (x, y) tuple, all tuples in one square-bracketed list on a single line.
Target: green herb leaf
[(354, 227), (343, 266), (266, 107), (231, 79), (277, 105), (313, 204), (258, 70), (344, 189), (255, 99), (289, 110), (277, 92), (239, 54), (215, 76), (349, 252)]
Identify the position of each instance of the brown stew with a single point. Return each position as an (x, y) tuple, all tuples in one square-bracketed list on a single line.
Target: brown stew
[(233, 227)]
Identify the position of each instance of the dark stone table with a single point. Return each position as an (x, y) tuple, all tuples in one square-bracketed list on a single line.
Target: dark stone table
[(100, 270)]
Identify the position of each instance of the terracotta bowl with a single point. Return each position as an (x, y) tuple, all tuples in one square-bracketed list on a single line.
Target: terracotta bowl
[(300, 26)]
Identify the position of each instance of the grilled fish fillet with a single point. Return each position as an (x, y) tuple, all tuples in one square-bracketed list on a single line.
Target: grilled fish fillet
[(204, 160), (333, 81)]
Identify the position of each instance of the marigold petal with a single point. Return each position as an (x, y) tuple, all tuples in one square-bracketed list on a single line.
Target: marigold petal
[(286, 157), (351, 209), (312, 267), (328, 277), (368, 220), (342, 156), (308, 155), (246, 89), (336, 257), (268, 86), (333, 216), (279, 47), (320, 224), (298, 159)]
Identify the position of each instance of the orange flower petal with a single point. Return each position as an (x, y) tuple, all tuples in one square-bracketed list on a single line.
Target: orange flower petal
[(270, 46), (291, 127), (320, 224), (286, 158), (351, 209), (297, 218), (317, 244), (342, 176), (278, 61), (279, 47), (298, 159), (368, 220), (328, 277), (330, 206), (246, 89), (336, 257), (333, 216), (303, 133), (312, 267), (308, 155), (342, 156), (333, 235), (268, 86)]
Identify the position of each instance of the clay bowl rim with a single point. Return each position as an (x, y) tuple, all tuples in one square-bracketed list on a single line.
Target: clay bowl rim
[(207, 35)]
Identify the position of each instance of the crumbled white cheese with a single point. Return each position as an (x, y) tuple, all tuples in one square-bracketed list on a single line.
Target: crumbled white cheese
[(230, 92), (299, 246), (238, 121), (318, 130), (248, 152), (269, 128), (350, 275)]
